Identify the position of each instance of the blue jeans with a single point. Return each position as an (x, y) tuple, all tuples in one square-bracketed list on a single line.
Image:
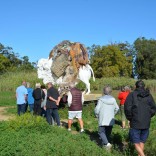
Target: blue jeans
[(104, 133), (31, 107), (53, 114), (21, 108)]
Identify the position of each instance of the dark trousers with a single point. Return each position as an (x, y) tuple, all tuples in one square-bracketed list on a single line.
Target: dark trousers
[(21, 109), (53, 114), (37, 107), (43, 112), (31, 107), (104, 133)]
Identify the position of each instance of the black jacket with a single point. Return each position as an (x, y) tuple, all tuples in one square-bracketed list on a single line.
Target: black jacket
[(38, 94), (140, 108), (53, 92)]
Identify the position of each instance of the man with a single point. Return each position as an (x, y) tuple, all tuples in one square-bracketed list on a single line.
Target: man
[(38, 95), (75, 102), (21, 96), (105, 111), (139, 109), (52, 104)]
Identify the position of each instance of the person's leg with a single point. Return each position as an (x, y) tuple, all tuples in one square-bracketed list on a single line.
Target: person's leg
[(81, 123), (26, 107), (18, 109), (143, 137), (49, 119), (102, 135), (123, 118), (108, 131), (79, 117), (56, 116), (23, 108), (31, 107), (139, 149), (135, 136), (39, 107), (70, 121)]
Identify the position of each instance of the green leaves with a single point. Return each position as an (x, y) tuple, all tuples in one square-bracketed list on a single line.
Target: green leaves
[(146, 58), (110, 61)]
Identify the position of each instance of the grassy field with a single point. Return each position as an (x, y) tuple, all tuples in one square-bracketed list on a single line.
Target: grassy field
[(30, 135)]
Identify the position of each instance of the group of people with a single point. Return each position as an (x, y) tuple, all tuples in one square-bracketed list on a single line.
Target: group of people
[(137, 106), (46, 102)]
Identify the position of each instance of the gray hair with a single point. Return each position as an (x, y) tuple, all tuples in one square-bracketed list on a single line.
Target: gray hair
[(107, 90), (38, 85), (127, 88), (72, 85)]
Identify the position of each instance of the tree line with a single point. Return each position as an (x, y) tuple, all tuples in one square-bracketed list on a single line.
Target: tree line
[(11, 61), (124, 59), (112, 60)]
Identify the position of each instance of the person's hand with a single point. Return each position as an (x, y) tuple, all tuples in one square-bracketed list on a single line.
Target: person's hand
[(57, 103), (44, 107)]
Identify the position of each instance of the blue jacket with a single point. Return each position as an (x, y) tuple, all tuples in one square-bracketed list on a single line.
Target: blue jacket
[(30, 97)]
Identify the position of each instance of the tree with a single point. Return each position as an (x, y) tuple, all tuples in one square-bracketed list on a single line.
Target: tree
[(146, 58), (15, 63), (4, 64), (110, 61)]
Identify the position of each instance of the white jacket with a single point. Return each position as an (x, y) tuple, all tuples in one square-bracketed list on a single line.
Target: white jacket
[(105, 110)]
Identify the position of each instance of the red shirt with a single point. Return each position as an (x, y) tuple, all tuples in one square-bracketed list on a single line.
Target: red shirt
[(122, 97)]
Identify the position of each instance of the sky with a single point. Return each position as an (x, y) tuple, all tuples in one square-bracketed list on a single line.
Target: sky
[(33, 27)]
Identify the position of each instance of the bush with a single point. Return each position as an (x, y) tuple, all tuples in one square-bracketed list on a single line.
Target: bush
[(29, 135)]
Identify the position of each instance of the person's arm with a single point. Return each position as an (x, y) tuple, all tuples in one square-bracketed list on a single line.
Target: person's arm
[(69, 99), (52, 99), (58, 101), (82, 99), (116, 107), (120, 97), (153, 106), (97, 108), (26, 94), (128, 107)]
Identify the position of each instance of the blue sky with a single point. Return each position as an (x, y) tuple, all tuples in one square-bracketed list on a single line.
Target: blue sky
[(33, 27)]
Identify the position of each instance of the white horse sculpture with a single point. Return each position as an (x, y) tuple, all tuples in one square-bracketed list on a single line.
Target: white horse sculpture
[(44, 72)]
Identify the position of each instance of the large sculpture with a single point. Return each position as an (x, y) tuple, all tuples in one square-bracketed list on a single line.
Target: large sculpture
[(67, 63)]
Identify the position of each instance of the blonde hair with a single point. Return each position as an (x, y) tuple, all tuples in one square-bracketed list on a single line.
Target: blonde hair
[(38, 85)]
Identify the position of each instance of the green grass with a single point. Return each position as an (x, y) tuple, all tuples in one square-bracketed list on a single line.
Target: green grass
[(30, 135)]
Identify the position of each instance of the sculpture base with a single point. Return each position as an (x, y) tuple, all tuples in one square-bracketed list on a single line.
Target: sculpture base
[(92, 97)]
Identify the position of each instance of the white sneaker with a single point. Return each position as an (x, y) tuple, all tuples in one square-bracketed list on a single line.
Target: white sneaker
[(82, 130), (69, 129), (108, 147)]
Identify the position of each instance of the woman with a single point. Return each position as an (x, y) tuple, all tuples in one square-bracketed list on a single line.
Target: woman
[(38, 95), (30, 98), (105, 111), (122, 97), (43, 103)]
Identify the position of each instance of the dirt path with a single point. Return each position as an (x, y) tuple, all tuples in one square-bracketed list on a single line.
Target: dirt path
[(3, 115)]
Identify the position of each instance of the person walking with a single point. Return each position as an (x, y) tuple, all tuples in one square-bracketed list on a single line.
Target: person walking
[(38, 95), (30, 99), (139, 109), (122, 97), (105, 111), (53, 99), (75, 102), (21, 96)]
